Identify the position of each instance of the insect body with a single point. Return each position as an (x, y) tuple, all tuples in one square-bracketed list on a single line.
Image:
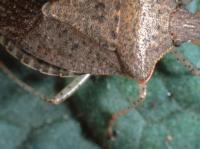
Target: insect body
[(99, 37), (139, 32)]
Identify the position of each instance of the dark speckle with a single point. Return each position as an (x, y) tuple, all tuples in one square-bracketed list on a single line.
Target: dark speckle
[(113, 34), (116, 19), (118, 6), (75, 46), (100, 6), (101, 19)]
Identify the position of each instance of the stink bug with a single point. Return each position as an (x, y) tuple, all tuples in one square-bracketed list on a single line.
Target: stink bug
[(95, 37)]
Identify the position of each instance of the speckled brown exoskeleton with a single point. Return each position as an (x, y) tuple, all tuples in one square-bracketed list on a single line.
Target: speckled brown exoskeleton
[(96, 37)]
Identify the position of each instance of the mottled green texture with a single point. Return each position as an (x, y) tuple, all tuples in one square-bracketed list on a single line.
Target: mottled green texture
[(28, 122), (169, 118)]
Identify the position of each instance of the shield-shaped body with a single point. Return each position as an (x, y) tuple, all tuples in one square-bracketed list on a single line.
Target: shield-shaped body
[(100, 37), (136, 30)]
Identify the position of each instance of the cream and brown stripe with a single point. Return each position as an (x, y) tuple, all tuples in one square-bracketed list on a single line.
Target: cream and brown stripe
[(31, 61)]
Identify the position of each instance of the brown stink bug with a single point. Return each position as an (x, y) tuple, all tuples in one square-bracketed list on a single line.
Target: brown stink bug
[(96, 37)]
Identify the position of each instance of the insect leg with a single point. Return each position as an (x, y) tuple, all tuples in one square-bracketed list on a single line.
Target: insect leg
[(60, 97), (69, 89), (186, 62), (115, 116), (20, 82)]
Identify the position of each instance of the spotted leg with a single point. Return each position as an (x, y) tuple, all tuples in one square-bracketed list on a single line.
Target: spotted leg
[(186, 62), (60, 97), (115, 116), (69, 89)]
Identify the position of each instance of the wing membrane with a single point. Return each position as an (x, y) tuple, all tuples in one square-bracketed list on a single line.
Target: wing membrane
[(54, 42)]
